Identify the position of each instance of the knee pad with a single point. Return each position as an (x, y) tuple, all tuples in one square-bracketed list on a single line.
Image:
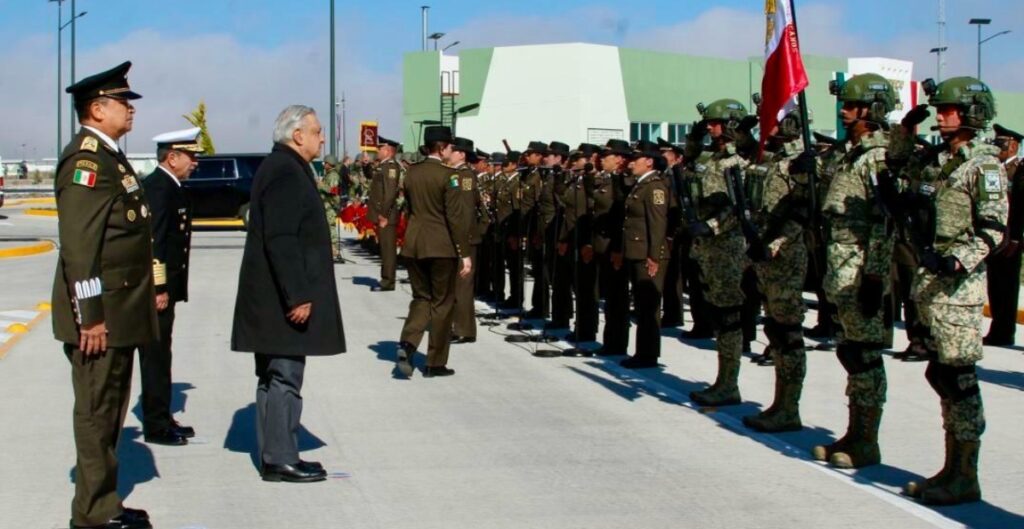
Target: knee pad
[(851, 356), (958, 382), (726, 319), (791, 336), (933, 374), (771, 331)]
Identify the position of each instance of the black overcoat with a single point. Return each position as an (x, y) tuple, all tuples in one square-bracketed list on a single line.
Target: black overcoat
[(287, 262)]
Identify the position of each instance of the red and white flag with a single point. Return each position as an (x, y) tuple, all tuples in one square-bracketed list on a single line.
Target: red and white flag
[(784, 73)]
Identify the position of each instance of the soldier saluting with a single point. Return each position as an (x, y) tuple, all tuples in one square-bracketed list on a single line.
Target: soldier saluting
[(103, 296)]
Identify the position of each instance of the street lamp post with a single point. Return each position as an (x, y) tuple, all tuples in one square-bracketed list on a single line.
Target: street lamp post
[(60, 31), (435, 37), (71, 98), (938, 61), (452, 45), (984, 22)]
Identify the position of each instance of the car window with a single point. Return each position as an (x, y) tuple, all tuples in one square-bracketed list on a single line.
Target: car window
[(214, 169)]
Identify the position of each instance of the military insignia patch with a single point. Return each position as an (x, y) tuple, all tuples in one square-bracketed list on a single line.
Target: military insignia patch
[(86, 164), (130, 183), (467, 184), (453, 181), (121, 168), (392, 173), (993, 184), (659, 197), (90, 144), (131, 215), (84, 178)]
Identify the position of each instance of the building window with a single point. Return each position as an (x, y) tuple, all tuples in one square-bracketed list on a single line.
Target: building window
[(677, 132), (644, 131)]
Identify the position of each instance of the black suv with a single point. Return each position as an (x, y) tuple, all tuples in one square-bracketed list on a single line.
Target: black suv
[(220, 185)]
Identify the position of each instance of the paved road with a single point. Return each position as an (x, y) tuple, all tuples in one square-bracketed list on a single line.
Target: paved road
[(510, 441)]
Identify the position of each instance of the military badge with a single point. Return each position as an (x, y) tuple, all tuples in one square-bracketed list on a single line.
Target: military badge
[(453, 181), (90, 144), (143, 211), (86, 164), (659, 197), (131, 215), (993, 184), (84, 178), (392, 173), (467, 184), (130, 183), (121, 168)]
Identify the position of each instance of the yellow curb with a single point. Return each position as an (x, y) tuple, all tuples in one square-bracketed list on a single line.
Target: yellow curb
[(17, 328), (41, 212), (987, 312), (219, 223), (33, 200), (42, 305), (31, 249), (6, 346)]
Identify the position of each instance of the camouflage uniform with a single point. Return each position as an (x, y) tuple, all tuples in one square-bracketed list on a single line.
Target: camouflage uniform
[(722, 260), (780, 202), (330, 193)]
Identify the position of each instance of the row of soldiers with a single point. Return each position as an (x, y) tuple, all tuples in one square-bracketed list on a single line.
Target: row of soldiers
[(633, 224)]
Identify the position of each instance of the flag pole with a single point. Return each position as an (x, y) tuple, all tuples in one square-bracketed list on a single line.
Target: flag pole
[(805, 123)]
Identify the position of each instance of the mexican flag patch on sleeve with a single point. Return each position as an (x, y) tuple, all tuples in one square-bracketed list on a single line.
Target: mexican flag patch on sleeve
[(84, 178)]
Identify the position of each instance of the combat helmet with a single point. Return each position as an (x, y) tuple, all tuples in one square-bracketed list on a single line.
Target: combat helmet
[(870, 89), (730, 111), (970, 95), (790, 127)]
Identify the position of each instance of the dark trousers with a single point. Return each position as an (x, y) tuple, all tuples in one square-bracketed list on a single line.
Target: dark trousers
[(499, 259), (1003, 290), (101, 385), (672, 298), (700, 309), (432, 305), (647, 298), (279, 407), (751, 305), (585, 288), (388, 238), (516, 275), (561, 288), (541, 263), (483, 267), (616, 305), (155, 368), (465, 307)]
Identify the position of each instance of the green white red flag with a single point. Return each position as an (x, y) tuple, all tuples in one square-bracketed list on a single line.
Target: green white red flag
[(784, 73)]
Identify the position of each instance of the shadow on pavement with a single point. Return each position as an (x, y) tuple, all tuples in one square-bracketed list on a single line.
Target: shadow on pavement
[(178, 399), (1007, 379), (241, 436), (364, 281), (387, 351), (135, 462)]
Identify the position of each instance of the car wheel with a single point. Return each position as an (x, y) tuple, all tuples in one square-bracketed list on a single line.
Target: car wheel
[(243, 213)]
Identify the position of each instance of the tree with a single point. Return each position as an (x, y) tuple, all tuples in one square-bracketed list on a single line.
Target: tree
[(198, 119)]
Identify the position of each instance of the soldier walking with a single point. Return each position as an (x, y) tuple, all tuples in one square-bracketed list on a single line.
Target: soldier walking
[(385, 207)]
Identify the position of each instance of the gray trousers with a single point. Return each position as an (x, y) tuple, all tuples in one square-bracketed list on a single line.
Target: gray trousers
[(279, 407)]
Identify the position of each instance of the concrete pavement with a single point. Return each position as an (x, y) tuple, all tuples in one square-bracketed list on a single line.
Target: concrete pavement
[(510, 441)]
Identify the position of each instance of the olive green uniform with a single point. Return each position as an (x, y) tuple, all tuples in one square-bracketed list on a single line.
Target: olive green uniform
[(104, 275), (465, 308), (609, 197), (643, 238), (385, 193), (508, 247), (576, 233)]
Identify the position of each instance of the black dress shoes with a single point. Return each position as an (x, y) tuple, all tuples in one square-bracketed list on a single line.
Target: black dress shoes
[(297, 473), (129, 519), (309, 465), (439, 371), (634, 362), (187, 432), (463, 339), (168, 437)]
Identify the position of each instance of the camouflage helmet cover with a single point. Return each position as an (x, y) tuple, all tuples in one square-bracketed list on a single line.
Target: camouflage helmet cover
[(969, 94)]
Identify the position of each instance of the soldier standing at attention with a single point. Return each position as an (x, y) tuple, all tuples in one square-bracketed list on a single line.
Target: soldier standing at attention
[(464, 328), (718, 243), (780, 201), (385, 195), (646, 252), (437, 249), (484, 265), (103, 295), (1004, 262), (859, 249), (171, 217), (963, 191), (575, 244), (558, 263), (613, 279), (330, 192), (531, 188), (672, 301), (508, 245)]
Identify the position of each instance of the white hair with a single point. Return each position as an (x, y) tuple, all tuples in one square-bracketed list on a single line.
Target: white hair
[(288, 121)]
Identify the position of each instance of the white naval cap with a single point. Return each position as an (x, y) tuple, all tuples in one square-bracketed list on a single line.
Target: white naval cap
[(180, 140)]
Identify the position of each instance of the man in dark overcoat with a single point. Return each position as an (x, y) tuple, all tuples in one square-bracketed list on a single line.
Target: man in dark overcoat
[(287, 304)]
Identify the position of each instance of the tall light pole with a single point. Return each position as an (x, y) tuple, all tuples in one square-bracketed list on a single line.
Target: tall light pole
[(344, 125), (71, 98), (984, 22), (424, 13), (938, 62), (334, 122), (436, 37), (60, 27)]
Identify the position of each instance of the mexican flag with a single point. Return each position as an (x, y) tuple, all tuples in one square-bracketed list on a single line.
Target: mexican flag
[(84, 178), (784, 73)]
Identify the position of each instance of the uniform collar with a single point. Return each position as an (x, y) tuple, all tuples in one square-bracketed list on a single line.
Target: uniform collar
[(175, 178), (106, 139), (645, 175)]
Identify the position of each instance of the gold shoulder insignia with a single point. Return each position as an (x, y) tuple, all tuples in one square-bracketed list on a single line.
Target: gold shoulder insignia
[(86, 164), (90, 144), (659, 197)]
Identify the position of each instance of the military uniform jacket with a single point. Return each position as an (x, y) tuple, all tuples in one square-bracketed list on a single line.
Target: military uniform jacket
[(577, 228), (530, 191), (105, 265), (439, 222), (646, 220), (780, 198), (970, 205), (851, 208), (473, 203), (330, 190), (287, 262), (171, 215), (1015, 190), (714, 196), (608, 198), (508, 201), (384, 191), (547, 207)]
